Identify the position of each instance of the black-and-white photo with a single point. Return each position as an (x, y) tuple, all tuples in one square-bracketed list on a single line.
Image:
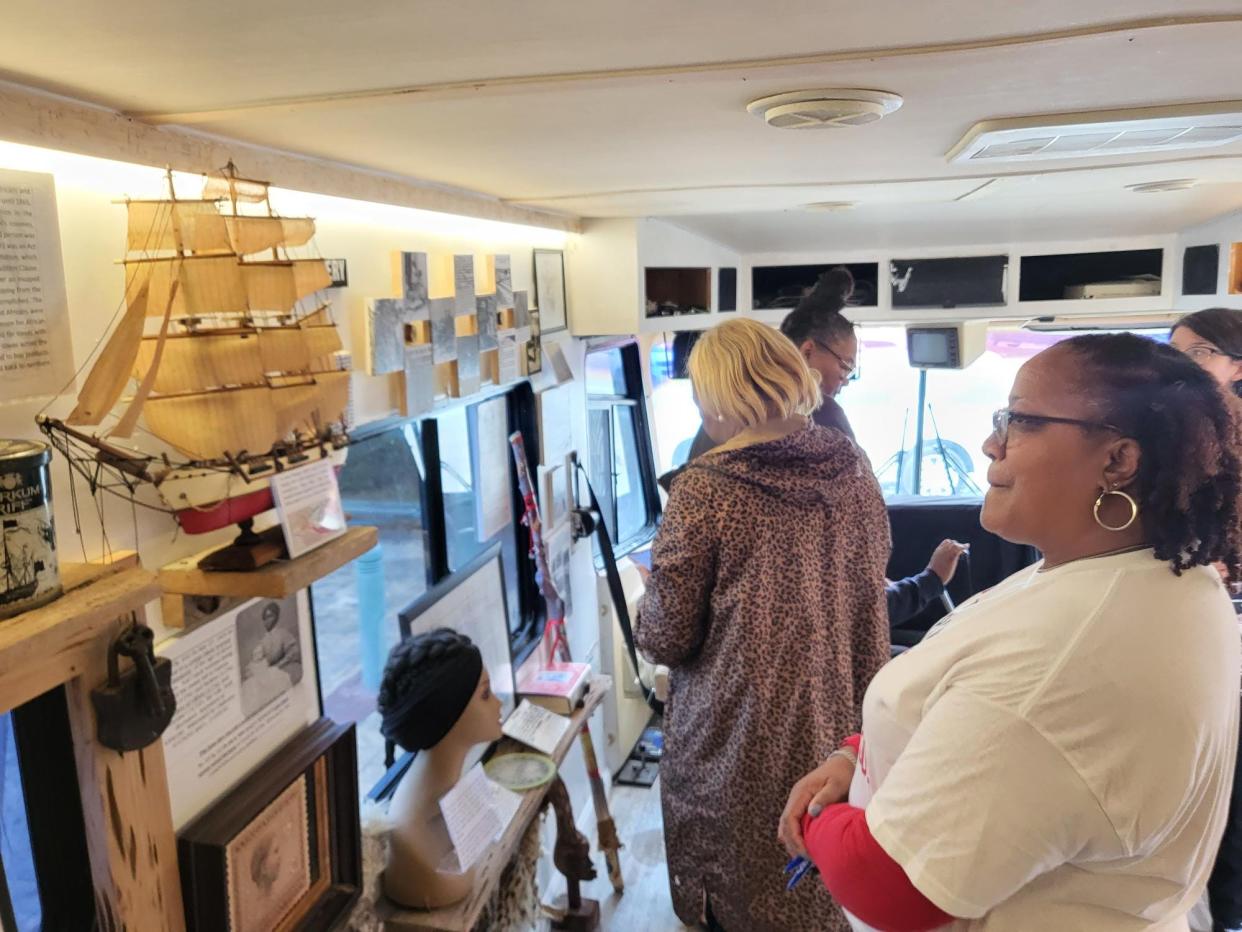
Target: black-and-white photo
[(269, 651), (338, 271)]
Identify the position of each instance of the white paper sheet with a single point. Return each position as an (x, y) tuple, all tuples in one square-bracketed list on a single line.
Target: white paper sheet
[(308, 501), (36, 356), (476, 812), (536, 727), (493, 507)]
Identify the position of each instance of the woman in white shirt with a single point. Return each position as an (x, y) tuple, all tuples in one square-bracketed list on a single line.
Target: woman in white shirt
[(1058, 753)]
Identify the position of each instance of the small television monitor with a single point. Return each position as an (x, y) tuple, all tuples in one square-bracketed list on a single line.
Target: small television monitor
[(946, 346)]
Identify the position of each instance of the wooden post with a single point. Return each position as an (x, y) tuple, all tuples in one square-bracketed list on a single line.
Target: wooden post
[(128, 815)]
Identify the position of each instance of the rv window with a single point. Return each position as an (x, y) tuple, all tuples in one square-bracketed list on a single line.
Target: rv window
[(382, 484), (419, 483), (619, 460), (674, 415), (461, 480)]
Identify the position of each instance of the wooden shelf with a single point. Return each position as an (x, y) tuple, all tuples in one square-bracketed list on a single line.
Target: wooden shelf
[(47, 646), (274, 581), (462, 916)]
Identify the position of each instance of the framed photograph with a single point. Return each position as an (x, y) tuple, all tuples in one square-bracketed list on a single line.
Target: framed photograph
[(268, 863), (472, 601), (339, 272), (550, 289), (283, 851), (534, 349), (246, 682), (560, 544)]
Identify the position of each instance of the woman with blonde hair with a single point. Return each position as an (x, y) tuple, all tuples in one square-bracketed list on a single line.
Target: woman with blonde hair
[(766, 601)]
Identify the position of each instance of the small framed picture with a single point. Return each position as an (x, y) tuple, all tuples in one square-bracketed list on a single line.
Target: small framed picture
[(550, 290), (534, 346), (339, 272), (282, 851)]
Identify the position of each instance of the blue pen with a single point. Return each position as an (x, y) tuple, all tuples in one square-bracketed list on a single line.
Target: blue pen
[(798, 874)]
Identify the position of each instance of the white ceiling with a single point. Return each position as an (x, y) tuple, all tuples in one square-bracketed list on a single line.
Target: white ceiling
[(618, 125)]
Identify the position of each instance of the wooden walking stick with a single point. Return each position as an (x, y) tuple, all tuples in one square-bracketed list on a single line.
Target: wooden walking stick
[(609, 843)]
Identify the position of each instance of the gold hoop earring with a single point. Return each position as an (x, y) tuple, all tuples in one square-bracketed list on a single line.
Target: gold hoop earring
[(1134, 510)]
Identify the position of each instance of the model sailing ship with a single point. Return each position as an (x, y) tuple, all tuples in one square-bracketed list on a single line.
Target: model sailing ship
[(237, 381)]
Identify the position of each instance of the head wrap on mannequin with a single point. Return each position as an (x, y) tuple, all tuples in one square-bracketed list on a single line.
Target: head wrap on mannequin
[(428, 683)]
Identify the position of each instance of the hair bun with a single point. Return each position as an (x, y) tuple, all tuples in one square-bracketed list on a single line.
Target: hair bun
[(830, 293), (837, 281)]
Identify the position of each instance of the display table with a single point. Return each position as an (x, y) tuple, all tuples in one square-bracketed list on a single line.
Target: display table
[(462, 916)]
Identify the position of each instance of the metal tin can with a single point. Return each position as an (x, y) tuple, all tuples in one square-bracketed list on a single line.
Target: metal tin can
[(29, 572)]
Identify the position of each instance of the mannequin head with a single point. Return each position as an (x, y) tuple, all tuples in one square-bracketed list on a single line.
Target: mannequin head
[(436, 692)]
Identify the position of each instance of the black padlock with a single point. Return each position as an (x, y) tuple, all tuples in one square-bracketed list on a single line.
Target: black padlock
[(133, 708)]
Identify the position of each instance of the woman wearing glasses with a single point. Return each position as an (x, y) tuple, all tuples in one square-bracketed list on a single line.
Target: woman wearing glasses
[(1058, 752), (826, 341), (765, 600), (1213, 339)]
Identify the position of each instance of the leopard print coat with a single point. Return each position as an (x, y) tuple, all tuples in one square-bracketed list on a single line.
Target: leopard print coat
[(766, 600)]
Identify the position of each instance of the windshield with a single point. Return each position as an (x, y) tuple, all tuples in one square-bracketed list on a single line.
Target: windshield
[(882, 407)]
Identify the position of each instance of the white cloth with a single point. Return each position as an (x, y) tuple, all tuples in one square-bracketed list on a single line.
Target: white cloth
[(1058, 753)]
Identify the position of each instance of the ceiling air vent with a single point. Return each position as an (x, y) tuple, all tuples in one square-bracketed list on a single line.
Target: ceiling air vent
[(1103, 133), (824, 109)]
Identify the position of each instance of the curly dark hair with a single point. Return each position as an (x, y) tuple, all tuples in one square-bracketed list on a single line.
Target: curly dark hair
[(410, 660), (1189, 432), (1220, 326)]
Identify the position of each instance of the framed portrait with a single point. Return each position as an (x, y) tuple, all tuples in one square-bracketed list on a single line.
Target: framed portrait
[(550, 290), (339, 272), (534, 348), (472, 601), (282, 852), (246, 681)]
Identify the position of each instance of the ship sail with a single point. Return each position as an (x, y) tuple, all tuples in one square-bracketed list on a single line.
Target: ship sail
[(222, 358), (111, 373), (249, 235), (215, 425), (162, 226), (297, 349), (224, 285), (229, 422), (194, 362)]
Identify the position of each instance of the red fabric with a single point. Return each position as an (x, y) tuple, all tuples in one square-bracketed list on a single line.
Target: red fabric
[(862, 877)]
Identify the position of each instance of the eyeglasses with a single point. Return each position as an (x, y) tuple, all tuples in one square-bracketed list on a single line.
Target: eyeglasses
[(1004, 418), (1199, 352), (849, 368)]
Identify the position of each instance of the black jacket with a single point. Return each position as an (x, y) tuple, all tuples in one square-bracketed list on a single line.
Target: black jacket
[(907, 597)]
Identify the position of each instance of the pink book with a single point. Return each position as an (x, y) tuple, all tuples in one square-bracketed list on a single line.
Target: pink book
[(558, 687)]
